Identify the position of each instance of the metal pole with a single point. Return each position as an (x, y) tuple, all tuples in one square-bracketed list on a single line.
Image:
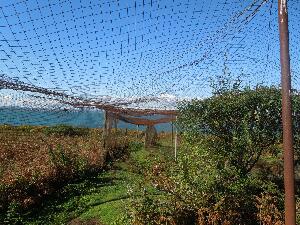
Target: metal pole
[(175, 144), (289, 177), (172, 134)]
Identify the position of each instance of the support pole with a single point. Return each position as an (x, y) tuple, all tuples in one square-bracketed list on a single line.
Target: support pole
[(116, 123), (175, 144), (104, 129), (289, 176), (107, 143), (150, 136), (172, 134)]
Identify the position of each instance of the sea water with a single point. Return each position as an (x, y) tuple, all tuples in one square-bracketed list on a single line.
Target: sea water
[(46, 117)]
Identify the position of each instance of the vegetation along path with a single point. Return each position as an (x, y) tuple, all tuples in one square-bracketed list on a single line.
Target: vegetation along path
[(102, 198)]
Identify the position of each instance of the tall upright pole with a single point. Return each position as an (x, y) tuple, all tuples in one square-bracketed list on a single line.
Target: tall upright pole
[(175, 143), (104, 129), (289, 176), (172, 134)]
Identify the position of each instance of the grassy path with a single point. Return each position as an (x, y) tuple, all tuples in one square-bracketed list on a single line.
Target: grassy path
[(99, 199), (111, 204)]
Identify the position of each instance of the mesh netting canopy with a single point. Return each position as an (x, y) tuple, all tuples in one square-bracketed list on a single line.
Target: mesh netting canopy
[(141, 54)]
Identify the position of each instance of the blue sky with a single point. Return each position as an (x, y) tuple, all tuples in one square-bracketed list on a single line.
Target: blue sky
[(141, 48)]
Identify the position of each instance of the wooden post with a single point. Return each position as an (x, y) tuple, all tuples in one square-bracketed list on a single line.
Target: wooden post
[(104, 129), (150, 136), (107, 130), (116, 123)]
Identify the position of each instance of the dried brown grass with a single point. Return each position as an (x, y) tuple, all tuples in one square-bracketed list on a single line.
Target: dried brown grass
[(26, 155), (28, 170)]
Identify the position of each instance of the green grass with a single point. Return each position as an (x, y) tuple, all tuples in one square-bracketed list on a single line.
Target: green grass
[(110, 203), (103, 196)]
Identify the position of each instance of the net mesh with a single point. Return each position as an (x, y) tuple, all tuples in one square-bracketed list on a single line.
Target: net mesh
[(142, 54)]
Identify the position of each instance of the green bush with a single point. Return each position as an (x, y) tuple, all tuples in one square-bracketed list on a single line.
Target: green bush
[(240, 124), (65, 130)]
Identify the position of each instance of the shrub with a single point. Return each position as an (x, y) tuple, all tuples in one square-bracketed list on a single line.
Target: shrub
[(268, 213), (67, 163), (135, 146), (241, 124), (213, 180)]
